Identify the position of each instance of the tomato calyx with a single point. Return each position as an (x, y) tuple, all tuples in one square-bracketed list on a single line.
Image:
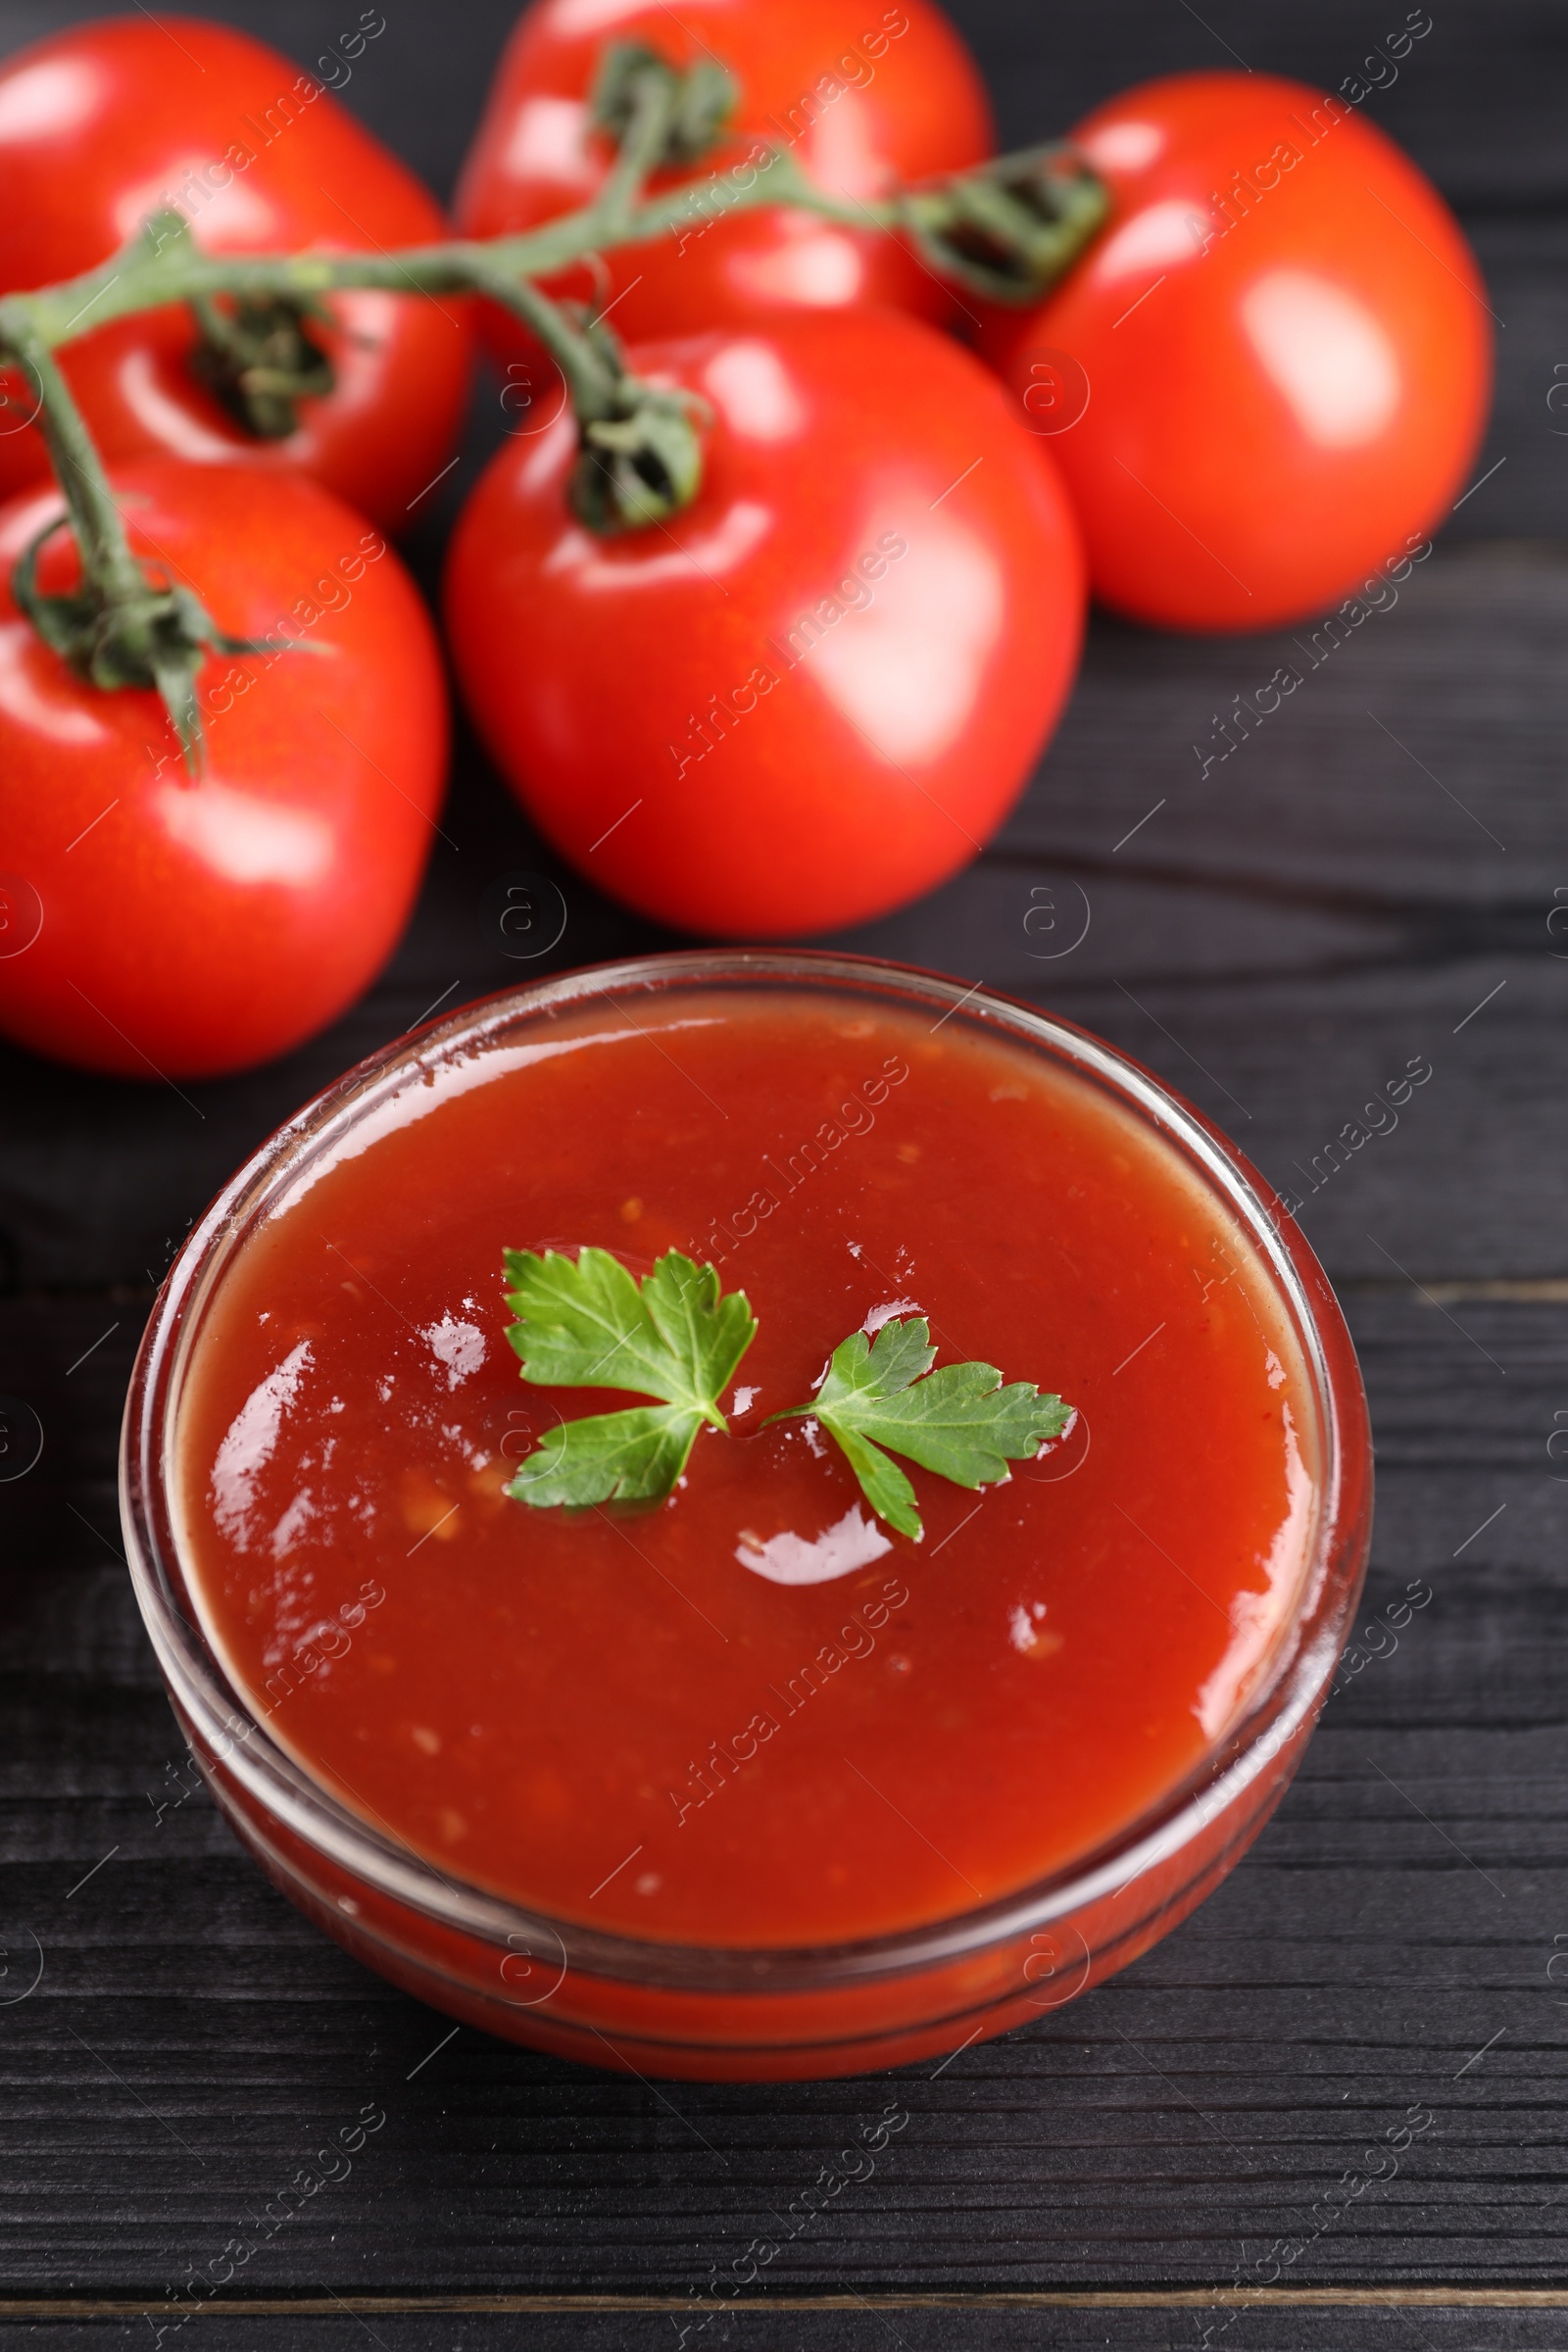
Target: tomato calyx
[(1012, 228), (637, 468), (694, 106), (158, 636), (256, 353), (639, 447), (640, 453)]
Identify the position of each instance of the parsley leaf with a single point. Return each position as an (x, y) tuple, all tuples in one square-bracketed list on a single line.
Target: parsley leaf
[(959, 1422), (586, 1323)]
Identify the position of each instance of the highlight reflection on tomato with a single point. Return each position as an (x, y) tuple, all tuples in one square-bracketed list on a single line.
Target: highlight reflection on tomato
[(1282, 348), (178, 926), (862, 95), (817, 693), (108, 124)]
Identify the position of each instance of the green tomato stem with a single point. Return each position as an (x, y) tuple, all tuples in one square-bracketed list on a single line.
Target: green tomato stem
[(95, 519), (653, 96), (120, 627), (165, 265)]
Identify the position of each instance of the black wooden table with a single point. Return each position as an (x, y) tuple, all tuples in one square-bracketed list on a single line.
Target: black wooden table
[(1372, 877)]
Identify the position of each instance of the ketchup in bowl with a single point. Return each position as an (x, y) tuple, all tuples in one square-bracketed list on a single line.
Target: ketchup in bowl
[(743, 1780)]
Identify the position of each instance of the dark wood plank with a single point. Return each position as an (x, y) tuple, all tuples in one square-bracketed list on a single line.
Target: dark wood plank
[(1320, 800), (855, 2324)]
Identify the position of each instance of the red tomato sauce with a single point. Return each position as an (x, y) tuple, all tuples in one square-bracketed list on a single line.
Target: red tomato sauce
[(621, 1716)]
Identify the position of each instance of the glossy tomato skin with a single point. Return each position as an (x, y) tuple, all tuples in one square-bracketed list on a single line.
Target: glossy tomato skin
[(193, 927), (817, 692), (104, 124), (1283, 345), (862, 96)]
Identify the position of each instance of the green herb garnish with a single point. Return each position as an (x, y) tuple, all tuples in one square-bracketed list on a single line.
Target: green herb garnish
[(585, 1323), (959, 1422)]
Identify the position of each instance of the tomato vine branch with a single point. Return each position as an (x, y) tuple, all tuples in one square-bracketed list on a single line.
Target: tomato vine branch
[(1006, 231), (1041, 198)]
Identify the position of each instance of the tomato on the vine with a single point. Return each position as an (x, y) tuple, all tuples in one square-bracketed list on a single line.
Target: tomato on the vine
[(1273, 367), (113, 121), (862, 95), (817, 692), (158, 924)]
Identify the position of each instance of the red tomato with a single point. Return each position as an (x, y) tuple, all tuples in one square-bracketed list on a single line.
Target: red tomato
[(861, 94), (103, 126), (157, 926), (817, 692), (1284, 346)]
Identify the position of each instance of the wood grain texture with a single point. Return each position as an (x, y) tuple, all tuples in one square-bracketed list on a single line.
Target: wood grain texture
[(1377, 860), (847, 2323)]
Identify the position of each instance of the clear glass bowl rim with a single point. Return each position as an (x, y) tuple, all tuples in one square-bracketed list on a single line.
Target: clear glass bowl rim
[(1276, 1711)]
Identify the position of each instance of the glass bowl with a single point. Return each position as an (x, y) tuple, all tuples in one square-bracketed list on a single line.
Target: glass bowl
[(659, 2008)]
